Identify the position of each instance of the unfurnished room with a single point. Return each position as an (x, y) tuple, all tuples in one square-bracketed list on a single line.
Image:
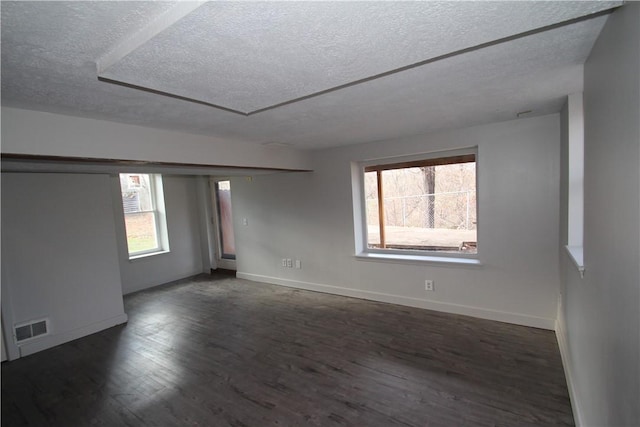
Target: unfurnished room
[(340, 213)]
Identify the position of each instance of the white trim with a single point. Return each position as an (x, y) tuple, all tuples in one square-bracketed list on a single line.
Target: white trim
[(563, 345), (53, 340), (134, 258), (576, 254), (361, 233), (156, 194), (417, 259), (162, 230), (205, 219), (500, 316), (575, 167)]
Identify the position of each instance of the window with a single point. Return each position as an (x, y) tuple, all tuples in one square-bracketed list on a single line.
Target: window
[(575, 192), (143, 204), (421, 205)]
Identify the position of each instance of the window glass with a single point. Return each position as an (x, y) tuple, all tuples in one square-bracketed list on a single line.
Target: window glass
[(427, 205), (139, 201)]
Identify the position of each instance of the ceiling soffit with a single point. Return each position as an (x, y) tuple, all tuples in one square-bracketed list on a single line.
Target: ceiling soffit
[(251, 57)]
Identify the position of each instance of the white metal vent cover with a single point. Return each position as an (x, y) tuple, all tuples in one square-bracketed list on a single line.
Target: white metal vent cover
[(33, 329)]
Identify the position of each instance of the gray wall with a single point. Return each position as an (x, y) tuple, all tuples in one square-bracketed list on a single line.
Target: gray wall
[(59, 256), (183, 223), (600, 318), (46, 134), (64, 253), (310, 216)]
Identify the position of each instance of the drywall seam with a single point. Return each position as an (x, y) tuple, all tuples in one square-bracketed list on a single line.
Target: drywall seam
[(143, 35), (500, 316)]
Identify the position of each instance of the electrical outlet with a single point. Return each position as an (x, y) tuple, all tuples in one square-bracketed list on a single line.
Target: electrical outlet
[(298, 264), (428, 285), (284, 262), (289, 263)]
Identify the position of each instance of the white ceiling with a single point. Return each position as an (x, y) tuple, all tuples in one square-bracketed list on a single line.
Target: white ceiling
[(308, 74)]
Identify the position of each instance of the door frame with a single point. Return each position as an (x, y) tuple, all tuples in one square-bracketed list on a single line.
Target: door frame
[(224, 263)]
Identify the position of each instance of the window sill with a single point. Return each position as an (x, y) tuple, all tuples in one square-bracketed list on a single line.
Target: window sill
[(144, 256), (576, 253), (418, 259)]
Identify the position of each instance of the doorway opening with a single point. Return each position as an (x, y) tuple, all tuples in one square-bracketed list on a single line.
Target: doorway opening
[(225, 239)]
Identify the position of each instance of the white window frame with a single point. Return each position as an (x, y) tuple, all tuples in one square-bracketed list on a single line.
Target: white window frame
[(159, 211), (363, 252)]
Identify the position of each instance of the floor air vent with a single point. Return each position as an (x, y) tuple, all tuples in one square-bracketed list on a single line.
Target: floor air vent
[(31, 330)]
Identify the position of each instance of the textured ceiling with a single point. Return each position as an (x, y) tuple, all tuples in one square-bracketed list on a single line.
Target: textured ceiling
[(250, 56), (465, 63)]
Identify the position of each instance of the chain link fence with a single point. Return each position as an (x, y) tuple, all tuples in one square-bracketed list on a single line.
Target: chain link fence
[(450, 210)]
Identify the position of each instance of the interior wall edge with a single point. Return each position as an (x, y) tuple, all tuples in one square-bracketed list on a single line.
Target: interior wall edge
[(565, 354), (65, 136), (67, 336)]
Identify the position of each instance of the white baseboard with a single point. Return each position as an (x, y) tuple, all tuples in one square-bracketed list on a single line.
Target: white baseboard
[(563, 344), (159, 282), (501, 316), (53, 340)]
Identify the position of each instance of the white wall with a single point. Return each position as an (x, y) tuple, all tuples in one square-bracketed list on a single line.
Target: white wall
[(3, 350), (599, 324), (310, 216), (183, 223), (64, 252), (46, 134), (59, 256)]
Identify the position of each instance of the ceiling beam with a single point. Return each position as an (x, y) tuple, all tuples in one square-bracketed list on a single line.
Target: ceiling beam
[(146, 33)]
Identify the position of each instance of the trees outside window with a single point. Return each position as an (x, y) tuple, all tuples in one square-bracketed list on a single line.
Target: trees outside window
[(423, 205), (143, 207)]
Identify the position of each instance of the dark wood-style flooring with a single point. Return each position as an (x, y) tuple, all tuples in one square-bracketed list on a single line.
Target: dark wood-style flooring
[(220, 351)]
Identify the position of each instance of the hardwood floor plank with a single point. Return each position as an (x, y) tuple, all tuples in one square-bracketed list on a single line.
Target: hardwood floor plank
[(221, 351)]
